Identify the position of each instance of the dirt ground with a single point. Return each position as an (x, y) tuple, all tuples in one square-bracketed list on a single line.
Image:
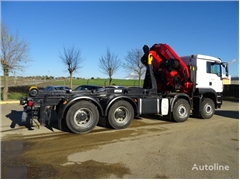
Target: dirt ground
[(150, 148)]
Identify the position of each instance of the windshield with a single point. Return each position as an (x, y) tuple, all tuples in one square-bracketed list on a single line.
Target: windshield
[(214, 68)]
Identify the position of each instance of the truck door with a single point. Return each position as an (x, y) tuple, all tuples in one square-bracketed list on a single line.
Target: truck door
[(215, 76), (202, 78)]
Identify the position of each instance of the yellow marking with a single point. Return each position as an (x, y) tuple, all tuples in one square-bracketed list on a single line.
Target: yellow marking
[(32, 87), (150, 58)]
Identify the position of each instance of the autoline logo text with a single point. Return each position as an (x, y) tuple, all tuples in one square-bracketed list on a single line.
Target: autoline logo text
[(212, 167)]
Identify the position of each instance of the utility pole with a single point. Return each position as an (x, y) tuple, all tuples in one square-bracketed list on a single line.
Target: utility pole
[(14, 78)]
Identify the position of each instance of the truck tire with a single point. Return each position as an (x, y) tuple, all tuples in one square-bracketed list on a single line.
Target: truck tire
[(120, 115), (207, 108), (181, 110), (82, 117)]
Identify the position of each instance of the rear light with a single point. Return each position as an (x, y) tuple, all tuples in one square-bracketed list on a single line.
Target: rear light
[(30, 103)]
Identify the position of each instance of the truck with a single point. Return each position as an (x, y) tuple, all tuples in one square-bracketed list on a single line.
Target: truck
[(174, 87)]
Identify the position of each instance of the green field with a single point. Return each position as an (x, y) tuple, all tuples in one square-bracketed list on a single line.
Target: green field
[(100, 82)]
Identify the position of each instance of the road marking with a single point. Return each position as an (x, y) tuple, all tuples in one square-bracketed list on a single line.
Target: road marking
[(9, 102)]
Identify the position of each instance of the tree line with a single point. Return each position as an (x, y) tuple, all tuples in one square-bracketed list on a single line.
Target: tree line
[(15, 52)]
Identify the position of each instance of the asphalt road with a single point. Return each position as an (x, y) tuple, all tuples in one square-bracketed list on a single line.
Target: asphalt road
[(149, 148)]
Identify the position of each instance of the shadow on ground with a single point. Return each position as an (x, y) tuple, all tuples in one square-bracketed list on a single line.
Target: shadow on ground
[(228, 113), (16, 118)]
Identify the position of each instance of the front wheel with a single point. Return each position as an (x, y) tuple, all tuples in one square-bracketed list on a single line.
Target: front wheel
[(207, 108), (82, 117), (120, 115), (181, 110)]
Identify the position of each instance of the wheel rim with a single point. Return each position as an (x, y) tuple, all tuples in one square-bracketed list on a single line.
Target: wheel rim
[(208, 109), (83, 117), (182, 111), (121, 114)]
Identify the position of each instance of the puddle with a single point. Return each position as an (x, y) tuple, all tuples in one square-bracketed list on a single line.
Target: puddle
[(34, 156), (15, 165), (93, 170), (11, 162), (11, 147), (140, 123), (159, 176), (14, 173)]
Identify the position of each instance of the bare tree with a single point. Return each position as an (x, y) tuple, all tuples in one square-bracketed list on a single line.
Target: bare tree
[(133, 63), (109, 64), (14, 52), (72, 58)]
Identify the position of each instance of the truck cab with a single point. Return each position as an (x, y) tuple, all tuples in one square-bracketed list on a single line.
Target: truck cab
[(209, 74)]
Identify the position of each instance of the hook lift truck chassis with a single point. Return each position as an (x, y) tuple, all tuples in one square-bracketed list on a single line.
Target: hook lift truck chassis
[(173, 87)]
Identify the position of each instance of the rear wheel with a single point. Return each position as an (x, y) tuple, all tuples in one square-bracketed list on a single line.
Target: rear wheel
[(181, 110), (207, 108), (120, 115), (82, 117)]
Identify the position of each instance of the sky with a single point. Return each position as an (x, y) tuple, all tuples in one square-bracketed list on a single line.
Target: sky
[(203, 27)]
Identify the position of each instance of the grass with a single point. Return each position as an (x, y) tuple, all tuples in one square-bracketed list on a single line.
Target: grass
[(15, 96), (99, 82), (16, 92)]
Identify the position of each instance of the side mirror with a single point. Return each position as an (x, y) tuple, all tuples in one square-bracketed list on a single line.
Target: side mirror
[(226, 68), (225, 65)]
